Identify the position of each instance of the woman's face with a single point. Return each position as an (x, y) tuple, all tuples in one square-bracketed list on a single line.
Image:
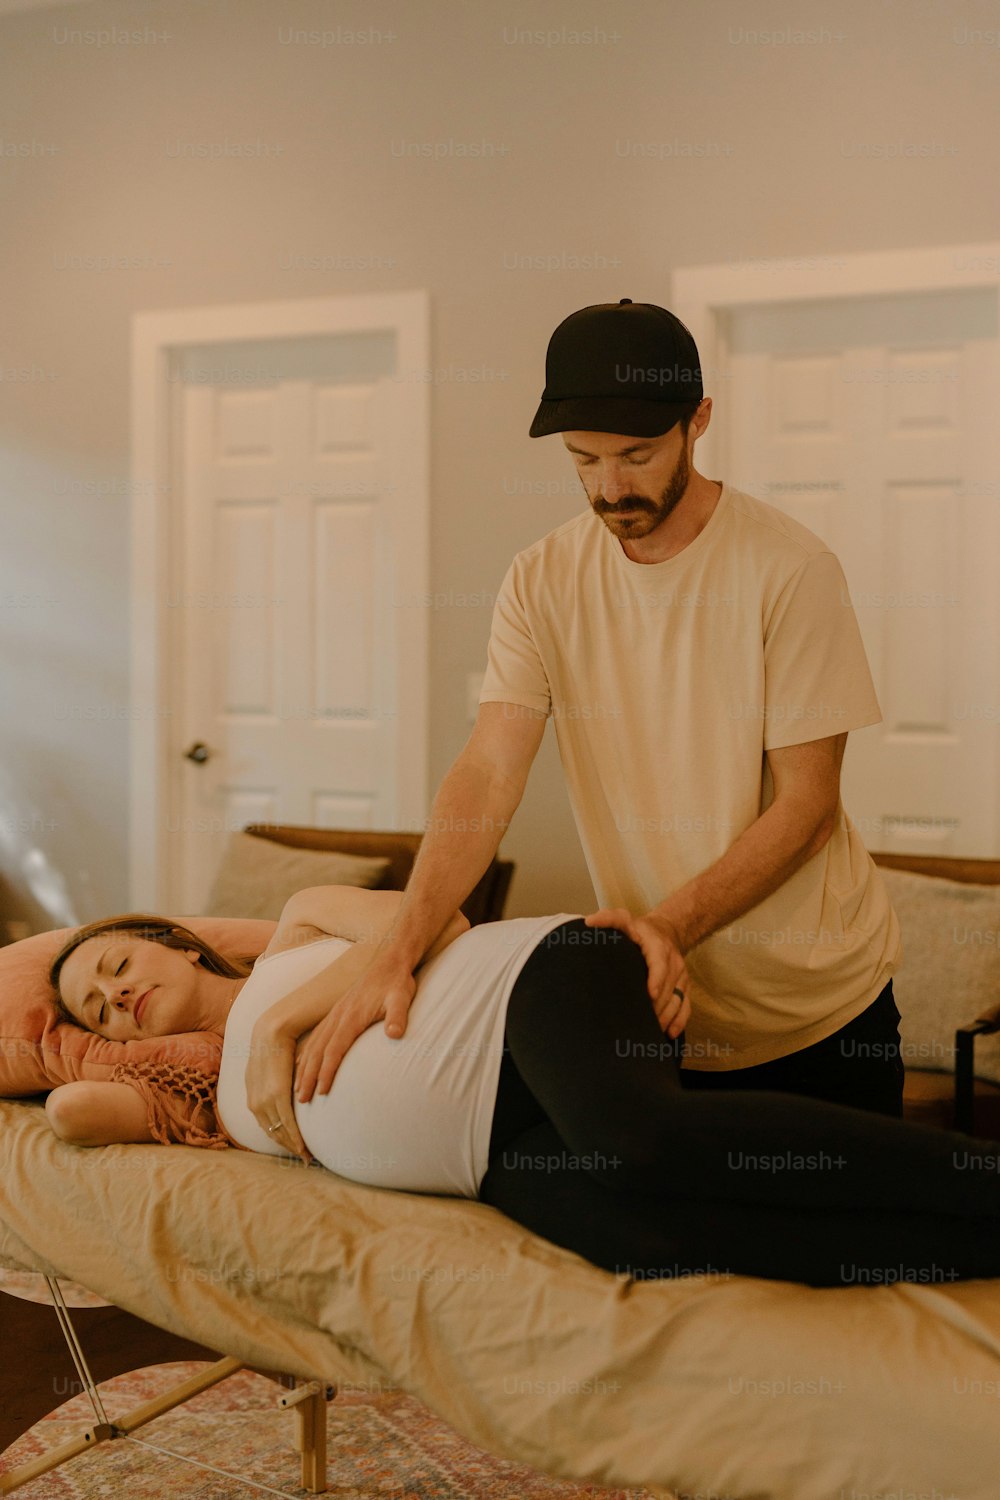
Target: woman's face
[(125, 988)]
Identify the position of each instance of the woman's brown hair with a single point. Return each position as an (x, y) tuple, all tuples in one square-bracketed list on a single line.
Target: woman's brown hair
[(151, 930)]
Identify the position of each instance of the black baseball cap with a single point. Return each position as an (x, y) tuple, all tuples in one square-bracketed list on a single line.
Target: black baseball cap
[(628, 367)]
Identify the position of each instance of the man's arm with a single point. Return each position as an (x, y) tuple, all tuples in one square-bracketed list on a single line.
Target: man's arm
[(794, 828), (473, 807), (365, 924), (471, 813)]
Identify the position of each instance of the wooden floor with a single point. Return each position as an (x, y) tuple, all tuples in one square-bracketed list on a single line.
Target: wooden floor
[(37, 1372)]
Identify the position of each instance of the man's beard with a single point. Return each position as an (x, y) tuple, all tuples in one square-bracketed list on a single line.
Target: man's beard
[(647, 514)]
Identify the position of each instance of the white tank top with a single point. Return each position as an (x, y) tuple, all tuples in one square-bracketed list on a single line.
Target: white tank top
[(415, 1112)]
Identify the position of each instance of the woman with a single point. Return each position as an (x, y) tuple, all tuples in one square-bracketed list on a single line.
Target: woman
[(533, 1075)]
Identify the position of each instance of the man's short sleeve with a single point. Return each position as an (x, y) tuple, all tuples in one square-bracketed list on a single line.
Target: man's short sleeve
[(514, 671), (816, 676)]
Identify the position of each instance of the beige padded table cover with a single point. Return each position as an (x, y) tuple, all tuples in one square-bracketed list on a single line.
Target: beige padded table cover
[(728, 1387)]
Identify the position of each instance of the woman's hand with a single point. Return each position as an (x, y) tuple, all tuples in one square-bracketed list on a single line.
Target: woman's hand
[(269, 1087), (664, 960), (386, 989)]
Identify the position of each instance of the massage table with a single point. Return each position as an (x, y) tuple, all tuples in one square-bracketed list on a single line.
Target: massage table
[(728, 1387)]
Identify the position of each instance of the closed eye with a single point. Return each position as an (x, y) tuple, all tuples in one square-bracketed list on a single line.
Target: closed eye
[(585, 463), (100, 1014)]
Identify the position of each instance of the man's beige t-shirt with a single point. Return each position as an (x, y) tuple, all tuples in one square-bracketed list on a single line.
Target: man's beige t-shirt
[(668, 682)]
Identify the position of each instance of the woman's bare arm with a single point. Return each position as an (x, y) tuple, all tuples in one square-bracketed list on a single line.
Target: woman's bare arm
[(347, 911), (98, 1114)]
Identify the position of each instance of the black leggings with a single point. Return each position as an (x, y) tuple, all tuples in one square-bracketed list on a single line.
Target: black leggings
[(597, 1147)]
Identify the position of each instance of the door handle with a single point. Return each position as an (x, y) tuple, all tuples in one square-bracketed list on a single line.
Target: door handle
[(198, 752)]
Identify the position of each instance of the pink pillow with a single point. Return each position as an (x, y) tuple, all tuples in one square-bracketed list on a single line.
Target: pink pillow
[(38, 1051)]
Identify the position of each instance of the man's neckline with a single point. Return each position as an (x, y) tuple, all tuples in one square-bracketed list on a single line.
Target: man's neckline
[(695, 542)]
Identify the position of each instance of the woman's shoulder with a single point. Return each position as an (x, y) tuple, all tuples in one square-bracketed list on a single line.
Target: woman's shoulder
[(292, 934)]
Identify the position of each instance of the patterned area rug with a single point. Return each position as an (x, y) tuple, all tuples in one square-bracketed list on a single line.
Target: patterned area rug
[(33, 1288), (232, 1442)]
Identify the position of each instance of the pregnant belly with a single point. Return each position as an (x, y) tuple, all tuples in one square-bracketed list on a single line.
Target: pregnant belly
[(406, 1112), (400, 1113)]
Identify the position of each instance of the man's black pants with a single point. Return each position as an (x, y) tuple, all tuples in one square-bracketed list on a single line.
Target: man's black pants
[(860, 1065)]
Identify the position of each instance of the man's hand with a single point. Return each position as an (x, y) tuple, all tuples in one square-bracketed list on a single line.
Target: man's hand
[(385, 989), (669, 984)]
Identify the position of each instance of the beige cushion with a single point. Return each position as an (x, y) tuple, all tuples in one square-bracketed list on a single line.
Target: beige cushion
[(257, 876), (950, 971)]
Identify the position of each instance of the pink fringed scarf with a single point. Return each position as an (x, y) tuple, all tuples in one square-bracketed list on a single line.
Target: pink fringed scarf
[(180, 1103)]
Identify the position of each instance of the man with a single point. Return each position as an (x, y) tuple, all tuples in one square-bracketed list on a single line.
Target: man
[(699, 655)]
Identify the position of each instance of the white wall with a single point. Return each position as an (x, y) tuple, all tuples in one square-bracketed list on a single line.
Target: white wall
[(679, 134)]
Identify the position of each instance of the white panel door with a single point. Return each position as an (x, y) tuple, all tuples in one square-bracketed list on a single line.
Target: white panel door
[(294, 543), (870, 420)]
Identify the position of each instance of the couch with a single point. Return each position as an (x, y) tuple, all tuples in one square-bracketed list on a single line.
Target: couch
[(947, 988), (485, 903)]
